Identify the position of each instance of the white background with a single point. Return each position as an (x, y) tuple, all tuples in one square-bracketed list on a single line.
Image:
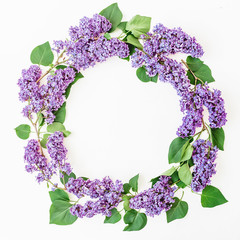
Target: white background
[(120, 126)]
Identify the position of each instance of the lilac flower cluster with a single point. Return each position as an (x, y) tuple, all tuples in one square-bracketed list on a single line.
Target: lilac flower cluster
[(204, 155), (29, 89), (58, 152), (36, 162), (215, 105), (155, 200), (47, 98), (107, 193), (161, 43), (167, 41), (52, 92), (87, 44)]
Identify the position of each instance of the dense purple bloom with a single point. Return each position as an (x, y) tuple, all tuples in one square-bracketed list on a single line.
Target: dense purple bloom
[(58, 152), (53, 91), (48, 97), (156, 199), (29, 89), (204, 155), (170, 41), (87, 52), (87, 44), (215, 105), (36, 162), (106, 192), (90, 27)]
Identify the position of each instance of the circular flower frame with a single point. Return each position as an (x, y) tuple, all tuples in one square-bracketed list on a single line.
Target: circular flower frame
[(191, 155)]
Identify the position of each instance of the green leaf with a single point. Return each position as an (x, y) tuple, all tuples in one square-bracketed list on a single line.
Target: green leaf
[(44, 140), (114, 218), (135, 220), (126, 202), (58, 194), (169, 172), (23, 131), (113, 14), (199, 69), (122, 26), (133, 182), (60, 114), (40, 119), (185, 174), (142, 75), (134, 41), (66, 177), (187, 154), (178, 210), (194, 63), (56, 126), (60, 214), (66, 133), (61, 67), (211, 197), (126, 188), (139, 25), (77, 77), (218, 137), (176, 149), (42, 55), (129, 216)]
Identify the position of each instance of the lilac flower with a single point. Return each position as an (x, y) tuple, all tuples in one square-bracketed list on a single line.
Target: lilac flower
[(215, 105), (58, 152), (90, 27), (107, 193), (192, 105), (27, 83), (155, 200), (204, 155), (36, 162), (170, 41), (87, 52), (53, 91), (29, 89)]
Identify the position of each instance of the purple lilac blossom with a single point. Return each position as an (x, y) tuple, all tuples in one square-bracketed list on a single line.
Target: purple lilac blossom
[(170, 41), (156, 199), (52, 92), (87, 45), (90, 27), (215, 105), (58, 152), (29, 90), (36, 162), (106, 192), (204, 155)]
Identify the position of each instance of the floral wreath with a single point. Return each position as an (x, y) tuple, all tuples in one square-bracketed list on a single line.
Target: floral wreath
[(192, 157)]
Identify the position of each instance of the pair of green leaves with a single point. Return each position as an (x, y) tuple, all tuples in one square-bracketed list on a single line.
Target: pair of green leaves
[(199, 69), (135, 220), (180, 150), (59, 210), (132, 184), (56, 126), (142, 75)]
